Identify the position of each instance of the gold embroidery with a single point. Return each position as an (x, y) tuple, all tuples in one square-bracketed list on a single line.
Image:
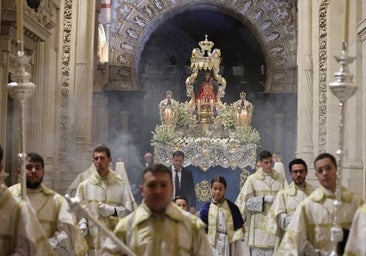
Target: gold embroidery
[(243, 177), (203, 191)]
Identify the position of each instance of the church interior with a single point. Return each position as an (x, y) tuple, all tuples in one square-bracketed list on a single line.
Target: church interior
[(100, 69)]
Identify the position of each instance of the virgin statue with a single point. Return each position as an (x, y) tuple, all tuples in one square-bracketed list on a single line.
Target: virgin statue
[(206, 93)]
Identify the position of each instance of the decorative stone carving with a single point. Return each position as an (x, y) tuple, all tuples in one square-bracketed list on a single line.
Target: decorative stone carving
[(139, 21), (258, 15), (247, 5), (159, 4), (65, 84), (266, 24), (323, 13), (43, 16), (148, 11), (272, 36), (133, 21), (276, 50)]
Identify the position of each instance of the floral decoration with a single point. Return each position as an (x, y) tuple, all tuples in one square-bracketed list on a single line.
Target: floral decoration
[(183, 117), (246, 135), (163, 134), (227, 116)]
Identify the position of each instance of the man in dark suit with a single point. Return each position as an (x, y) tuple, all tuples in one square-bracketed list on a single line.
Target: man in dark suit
[(183, 180), (148, 157)]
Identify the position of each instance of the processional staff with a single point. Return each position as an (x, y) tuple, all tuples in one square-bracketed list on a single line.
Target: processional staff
[(76, 206), (20, 89), (343, 88)]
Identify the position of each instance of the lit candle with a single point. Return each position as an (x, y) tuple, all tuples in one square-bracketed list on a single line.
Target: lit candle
[(20, 20), (198, 106), (211, 105), (243, 117), (346, 20), (168, 115)]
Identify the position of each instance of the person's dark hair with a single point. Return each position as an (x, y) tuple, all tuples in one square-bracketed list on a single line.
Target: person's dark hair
[(1, 154), (264, 154), (219, 179), (34, 157), (297, 161), (102, 148), (180, 197), (326, 155), (157, 168), (178, 153)]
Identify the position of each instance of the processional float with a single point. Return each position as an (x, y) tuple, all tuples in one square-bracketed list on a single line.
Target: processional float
[(209, 131)]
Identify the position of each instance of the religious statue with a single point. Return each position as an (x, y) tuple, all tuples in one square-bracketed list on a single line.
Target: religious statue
[(206, 100), (168, 108), (243, 110), (206, 93)]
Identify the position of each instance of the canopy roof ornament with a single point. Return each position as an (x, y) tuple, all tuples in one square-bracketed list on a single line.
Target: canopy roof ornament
[(206, 59)]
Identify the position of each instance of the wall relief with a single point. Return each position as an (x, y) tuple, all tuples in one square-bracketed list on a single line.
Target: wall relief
[(273, 23)]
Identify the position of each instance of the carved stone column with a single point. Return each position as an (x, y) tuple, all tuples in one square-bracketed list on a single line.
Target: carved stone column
[(76, 91), (361, 31), (305, 147), (84, 73)]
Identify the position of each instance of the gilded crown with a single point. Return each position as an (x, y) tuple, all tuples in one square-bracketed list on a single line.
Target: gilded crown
[(206, 45)]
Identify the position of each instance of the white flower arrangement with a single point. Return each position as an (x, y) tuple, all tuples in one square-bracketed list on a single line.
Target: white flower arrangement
[(228, 119), (163, 134), (183, 117), (247, 135)]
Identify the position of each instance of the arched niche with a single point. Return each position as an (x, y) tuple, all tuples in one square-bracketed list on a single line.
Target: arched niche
[(271, 22)]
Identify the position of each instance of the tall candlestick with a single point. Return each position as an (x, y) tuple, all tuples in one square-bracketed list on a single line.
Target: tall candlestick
[(346, 20), (20, 20), (168, 115), (243, 117)]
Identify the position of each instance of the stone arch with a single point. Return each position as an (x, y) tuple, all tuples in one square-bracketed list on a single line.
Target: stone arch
[(272, 22)]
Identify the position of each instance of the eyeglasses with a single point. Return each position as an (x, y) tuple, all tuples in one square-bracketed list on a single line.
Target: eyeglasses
[(299, 172)]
